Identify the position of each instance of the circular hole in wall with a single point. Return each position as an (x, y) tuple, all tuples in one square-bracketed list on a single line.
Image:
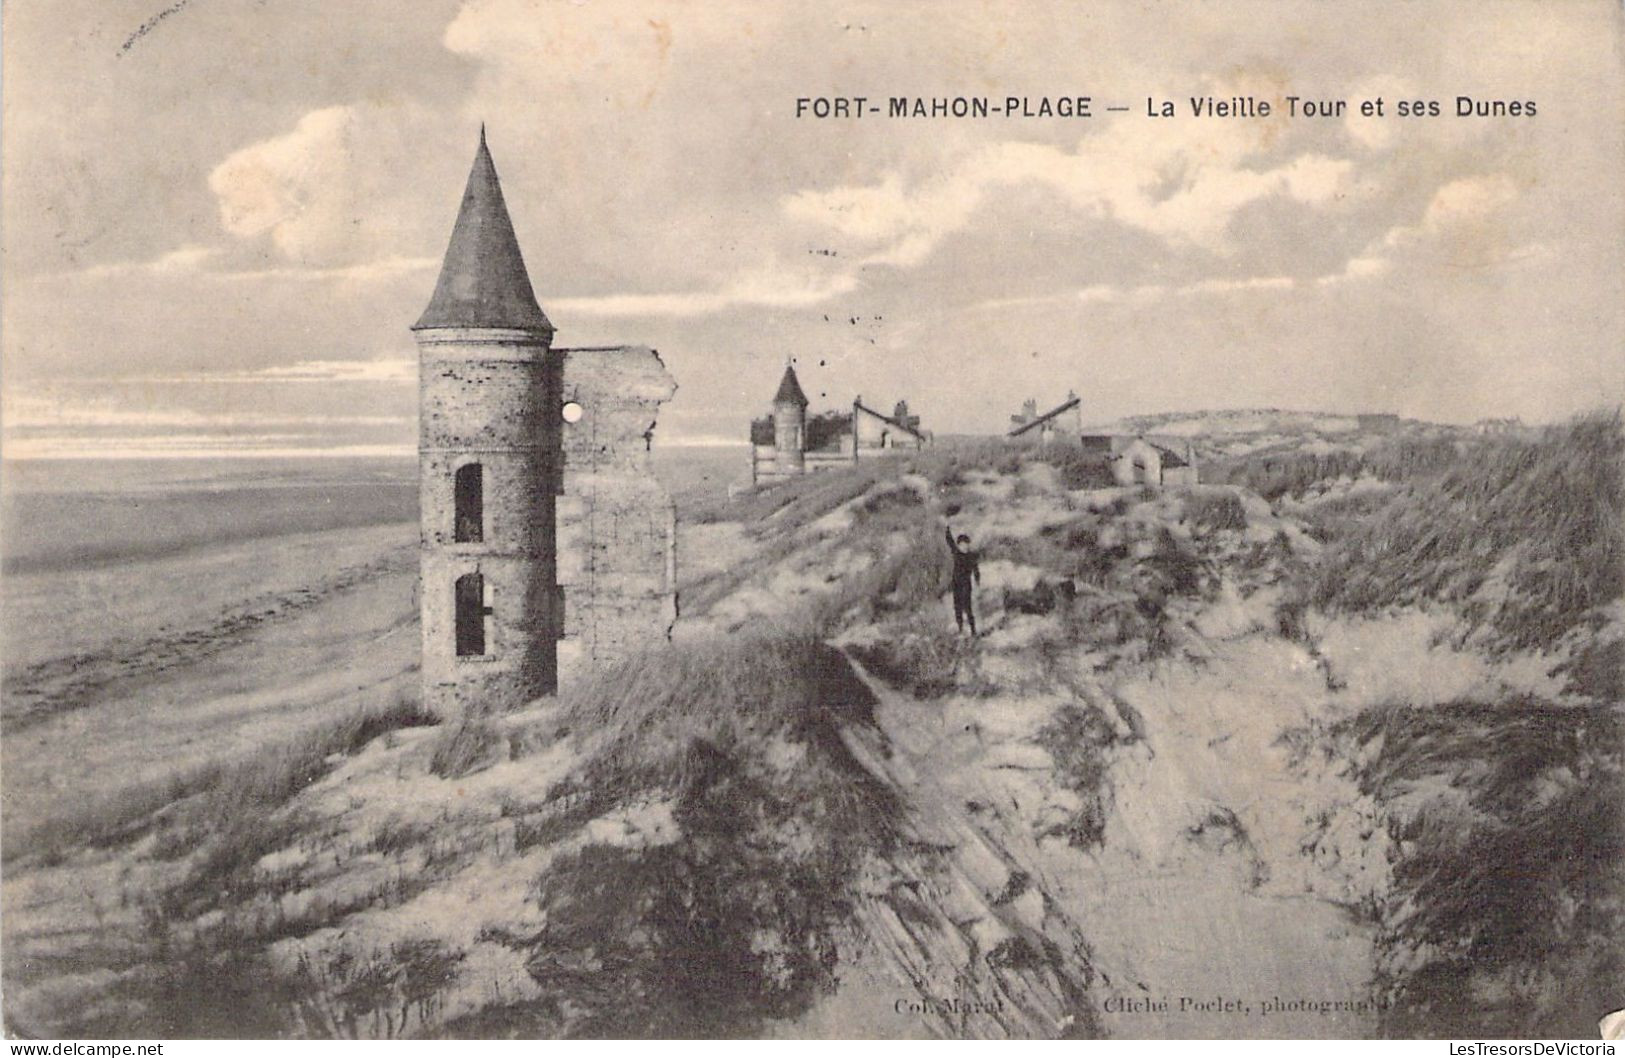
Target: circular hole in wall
[(572, 411)]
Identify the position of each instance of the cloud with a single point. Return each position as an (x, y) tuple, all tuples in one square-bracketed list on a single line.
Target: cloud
[(1375, 133), (1183, 183), (1468, 201), (189, 262), (56, 410), (140, 421), (651, 156), (1364, 266), (1456, 206), (328, 192), (387, 371), (1144, 293), (768, 287), (1227, 286), (592, 51), (1467, 222), (269, 187), (185, 259), (1141, 294), (397, 370), (1147, 292), (199, 445), (367, 271)]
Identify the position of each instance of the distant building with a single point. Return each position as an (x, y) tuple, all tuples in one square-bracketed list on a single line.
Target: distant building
[(788, 442), (1134, 460), (1499, 427), (1064, 422), (789, 425), (874, 432)]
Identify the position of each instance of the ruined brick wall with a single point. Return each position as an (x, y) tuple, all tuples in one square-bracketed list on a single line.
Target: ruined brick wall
[(616, 524), (489, 396)]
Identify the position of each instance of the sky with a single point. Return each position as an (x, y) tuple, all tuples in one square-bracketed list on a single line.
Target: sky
[(222, 216)]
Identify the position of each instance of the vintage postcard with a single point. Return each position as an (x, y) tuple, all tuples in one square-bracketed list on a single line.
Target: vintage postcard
[(611, 518)]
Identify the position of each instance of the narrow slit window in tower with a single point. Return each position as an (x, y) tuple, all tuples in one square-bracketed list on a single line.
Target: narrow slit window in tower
[(473, 610), (469, 488)]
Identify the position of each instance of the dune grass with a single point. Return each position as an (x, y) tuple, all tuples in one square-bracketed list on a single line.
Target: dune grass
[(1075, 468), (1078, 739), (232, 821), (1541, 517), (209, 829), (1508, 899), (1508, 817), (1211, 511), (1293, 473), (648, 711), (793, 502), (727, 922), (470, 744), (746, 745), (183, 809), (731, 922), (923, 656)]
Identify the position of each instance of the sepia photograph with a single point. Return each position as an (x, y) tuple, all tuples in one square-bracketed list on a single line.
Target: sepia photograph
[(604, 519)]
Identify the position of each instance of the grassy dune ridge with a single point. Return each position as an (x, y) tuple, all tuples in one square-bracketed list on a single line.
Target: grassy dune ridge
[(1508, 817), (1525, 534), (732, 834), (730, 924), (745, 821), (1509, 894)]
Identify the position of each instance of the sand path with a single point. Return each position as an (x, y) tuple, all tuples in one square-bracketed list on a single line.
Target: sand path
[(1193, 930)]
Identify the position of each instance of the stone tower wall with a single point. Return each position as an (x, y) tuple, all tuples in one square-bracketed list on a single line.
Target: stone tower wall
[(491, 397), (790, 437)]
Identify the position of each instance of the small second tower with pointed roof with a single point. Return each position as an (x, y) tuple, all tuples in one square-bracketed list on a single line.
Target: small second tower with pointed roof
[(790, 424)]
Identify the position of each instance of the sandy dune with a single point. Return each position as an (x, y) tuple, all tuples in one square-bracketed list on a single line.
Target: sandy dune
[(174, 663)]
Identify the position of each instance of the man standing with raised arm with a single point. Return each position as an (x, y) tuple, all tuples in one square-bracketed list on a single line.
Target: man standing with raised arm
[(967, 568)]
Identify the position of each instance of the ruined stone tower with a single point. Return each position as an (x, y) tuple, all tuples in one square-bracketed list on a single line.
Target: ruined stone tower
[(547, 547), (790, 424), (488, 466)]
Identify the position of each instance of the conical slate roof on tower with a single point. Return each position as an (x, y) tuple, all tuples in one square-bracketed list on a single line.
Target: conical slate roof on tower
[(483, 282), (790, 389)]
